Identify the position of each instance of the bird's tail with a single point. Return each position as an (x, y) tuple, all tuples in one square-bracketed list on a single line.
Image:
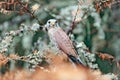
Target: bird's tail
[(75, 60)]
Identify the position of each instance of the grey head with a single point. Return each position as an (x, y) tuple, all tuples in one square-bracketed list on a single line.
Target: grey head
[(51, 23)]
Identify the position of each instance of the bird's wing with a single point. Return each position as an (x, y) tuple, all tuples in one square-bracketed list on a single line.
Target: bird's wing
[(64, 43)]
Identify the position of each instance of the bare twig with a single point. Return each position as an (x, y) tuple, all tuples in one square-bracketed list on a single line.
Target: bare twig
[(73, 24), (32, 14)]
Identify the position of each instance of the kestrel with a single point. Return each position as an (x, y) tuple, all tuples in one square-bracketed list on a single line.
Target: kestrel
[(60, 39)]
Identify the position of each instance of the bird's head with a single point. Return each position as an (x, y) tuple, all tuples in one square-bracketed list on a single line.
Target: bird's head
[(51, 23)]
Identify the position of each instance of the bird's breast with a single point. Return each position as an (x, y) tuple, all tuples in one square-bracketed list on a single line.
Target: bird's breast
[(51, 35), (62, 40)]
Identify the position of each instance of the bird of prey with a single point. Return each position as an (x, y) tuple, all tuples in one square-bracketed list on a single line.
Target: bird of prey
[(61, 40)]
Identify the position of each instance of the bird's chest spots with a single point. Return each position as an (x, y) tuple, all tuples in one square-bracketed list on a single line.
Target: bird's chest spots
[(51, 33)]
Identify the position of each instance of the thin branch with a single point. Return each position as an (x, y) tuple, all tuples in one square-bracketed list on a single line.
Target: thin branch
[(32, 14), (73, 24)]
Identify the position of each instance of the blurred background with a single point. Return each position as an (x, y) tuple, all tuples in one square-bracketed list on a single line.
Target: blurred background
[(99, 30)]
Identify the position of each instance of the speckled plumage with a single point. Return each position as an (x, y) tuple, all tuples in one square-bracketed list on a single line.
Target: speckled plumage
[(61, 40)]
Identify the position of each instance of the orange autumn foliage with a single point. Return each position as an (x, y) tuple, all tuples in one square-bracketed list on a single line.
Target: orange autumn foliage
[(3, 59), (58, 69), (105, 56)]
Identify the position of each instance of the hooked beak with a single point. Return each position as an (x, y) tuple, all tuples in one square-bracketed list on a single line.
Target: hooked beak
[(52, 24)]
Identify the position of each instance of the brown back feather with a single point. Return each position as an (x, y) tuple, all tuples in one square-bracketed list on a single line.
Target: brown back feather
[(64, 43)]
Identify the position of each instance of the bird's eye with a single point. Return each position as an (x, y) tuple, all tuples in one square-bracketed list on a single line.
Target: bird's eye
[(48, 21), (55, 21)]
